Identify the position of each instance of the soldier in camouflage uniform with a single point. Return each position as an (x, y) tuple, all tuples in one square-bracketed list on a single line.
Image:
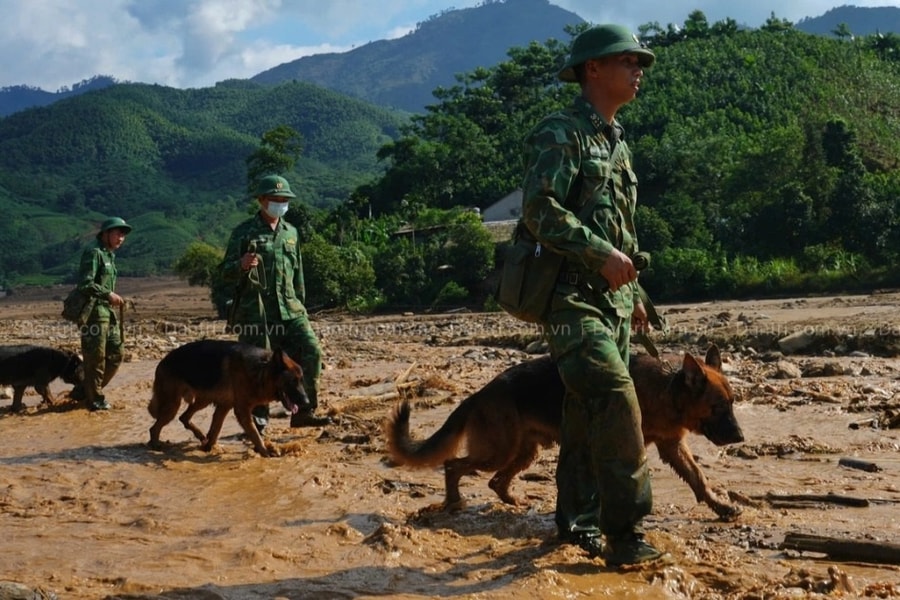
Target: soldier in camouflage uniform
[(101, 336), (603, 481), (263, 260)]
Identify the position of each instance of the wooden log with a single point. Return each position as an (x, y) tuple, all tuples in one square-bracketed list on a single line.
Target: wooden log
[(830, 498), (870, 422), (855, 463), (405, 374), (376, 398), (818, 396), (847, 550)]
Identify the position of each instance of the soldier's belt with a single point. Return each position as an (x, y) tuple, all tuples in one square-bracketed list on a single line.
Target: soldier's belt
[(641, 261)]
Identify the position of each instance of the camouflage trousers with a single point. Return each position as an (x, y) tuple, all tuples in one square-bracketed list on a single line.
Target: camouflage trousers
[(297, 338), (602, 478), (101, 347)]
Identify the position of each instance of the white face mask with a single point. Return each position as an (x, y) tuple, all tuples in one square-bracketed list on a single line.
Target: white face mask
[(276, 210)]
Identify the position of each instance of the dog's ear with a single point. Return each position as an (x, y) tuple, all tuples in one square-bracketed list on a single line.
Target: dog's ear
[(694, 376), (277, 358), (75, 360), (713, 358)]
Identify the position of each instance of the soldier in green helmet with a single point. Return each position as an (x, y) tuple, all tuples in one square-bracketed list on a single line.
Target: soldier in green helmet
[(571, 158), (101, 335), (263, 261)]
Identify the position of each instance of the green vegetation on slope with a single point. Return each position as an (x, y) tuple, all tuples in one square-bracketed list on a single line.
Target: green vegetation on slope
[(170, 161), (767, 159)]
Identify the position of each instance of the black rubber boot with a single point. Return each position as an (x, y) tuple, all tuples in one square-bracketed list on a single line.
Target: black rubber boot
[(590, 542), (77, 393), (630, 549), (99, 403), (308, 419)]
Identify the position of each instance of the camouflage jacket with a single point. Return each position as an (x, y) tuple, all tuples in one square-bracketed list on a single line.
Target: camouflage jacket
[(567, 159), (279, 253), (97, 277)]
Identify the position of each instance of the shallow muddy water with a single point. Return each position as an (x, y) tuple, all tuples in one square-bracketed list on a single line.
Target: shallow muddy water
[(88, 511)]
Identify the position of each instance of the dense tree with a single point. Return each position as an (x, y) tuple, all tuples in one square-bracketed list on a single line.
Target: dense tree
[(465, 151), (199, 263), (734, 138), (144, 151), (278, 151), (759, 153)]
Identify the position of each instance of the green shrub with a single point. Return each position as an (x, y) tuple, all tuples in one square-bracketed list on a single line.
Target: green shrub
[(336, 275), (452, 294)]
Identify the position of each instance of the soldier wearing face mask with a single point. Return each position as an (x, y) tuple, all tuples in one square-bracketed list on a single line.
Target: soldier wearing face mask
[(264, 263)]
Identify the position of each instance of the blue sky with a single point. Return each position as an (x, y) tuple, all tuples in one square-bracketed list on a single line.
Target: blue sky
[(195, 43)]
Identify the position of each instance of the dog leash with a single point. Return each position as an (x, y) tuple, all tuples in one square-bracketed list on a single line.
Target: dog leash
[(122, 323), (257, 278), (655, 319)]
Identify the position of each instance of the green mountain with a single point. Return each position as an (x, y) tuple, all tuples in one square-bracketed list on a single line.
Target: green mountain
[(403, 72), (172, 162), (19, 97), (859, 20), (727, 125)]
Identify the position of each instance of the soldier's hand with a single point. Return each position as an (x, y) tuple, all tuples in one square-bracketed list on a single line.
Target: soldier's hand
[(618, 270), (115, 299), (248, 261), (640, 321)]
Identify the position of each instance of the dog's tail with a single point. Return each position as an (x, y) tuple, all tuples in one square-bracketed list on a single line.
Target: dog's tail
[(430, 452)]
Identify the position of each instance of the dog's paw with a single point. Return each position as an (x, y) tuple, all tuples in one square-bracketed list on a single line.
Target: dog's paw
[(728, 512), (431, 509)]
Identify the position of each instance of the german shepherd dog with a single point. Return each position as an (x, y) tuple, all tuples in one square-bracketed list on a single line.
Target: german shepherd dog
[(26, 366), (512, 416), (233, 376)]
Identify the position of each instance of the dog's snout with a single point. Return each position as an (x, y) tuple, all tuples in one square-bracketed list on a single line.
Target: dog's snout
[(723, 430)]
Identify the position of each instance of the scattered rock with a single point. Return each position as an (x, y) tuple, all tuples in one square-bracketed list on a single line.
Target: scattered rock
[(10, 590), (786, 370), (796, 342)]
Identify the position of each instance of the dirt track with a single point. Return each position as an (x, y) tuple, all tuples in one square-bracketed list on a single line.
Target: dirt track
[(88, 511)]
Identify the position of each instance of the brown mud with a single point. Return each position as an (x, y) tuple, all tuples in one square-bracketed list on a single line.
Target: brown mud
[(88, 511)]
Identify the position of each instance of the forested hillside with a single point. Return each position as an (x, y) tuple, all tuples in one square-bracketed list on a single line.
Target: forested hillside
[(763, 156), (403, 72), (855, 20), (19, 97), (768, 159), (172, 162)]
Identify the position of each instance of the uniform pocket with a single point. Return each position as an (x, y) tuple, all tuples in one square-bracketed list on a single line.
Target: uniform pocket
[(596, 173)]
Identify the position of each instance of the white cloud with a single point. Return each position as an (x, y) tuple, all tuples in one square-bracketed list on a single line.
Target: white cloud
[(194, 43), (753, 14)]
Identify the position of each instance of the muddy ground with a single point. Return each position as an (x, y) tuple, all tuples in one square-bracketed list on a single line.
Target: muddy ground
[(88, 511)]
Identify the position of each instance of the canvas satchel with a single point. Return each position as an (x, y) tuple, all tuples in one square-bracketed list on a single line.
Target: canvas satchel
[(528, 278), (77, 307), (530, 270)]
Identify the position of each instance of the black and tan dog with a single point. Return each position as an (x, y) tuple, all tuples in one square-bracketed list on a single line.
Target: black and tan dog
[(230, 375), (507, 421), (26, 366)]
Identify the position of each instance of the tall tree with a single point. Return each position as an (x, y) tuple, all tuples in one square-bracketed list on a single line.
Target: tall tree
[(278, 151), (465, 149)]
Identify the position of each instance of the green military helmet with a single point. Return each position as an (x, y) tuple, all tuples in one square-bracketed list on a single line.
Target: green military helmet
[(274, 185), (114, 223), (604, 40)]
